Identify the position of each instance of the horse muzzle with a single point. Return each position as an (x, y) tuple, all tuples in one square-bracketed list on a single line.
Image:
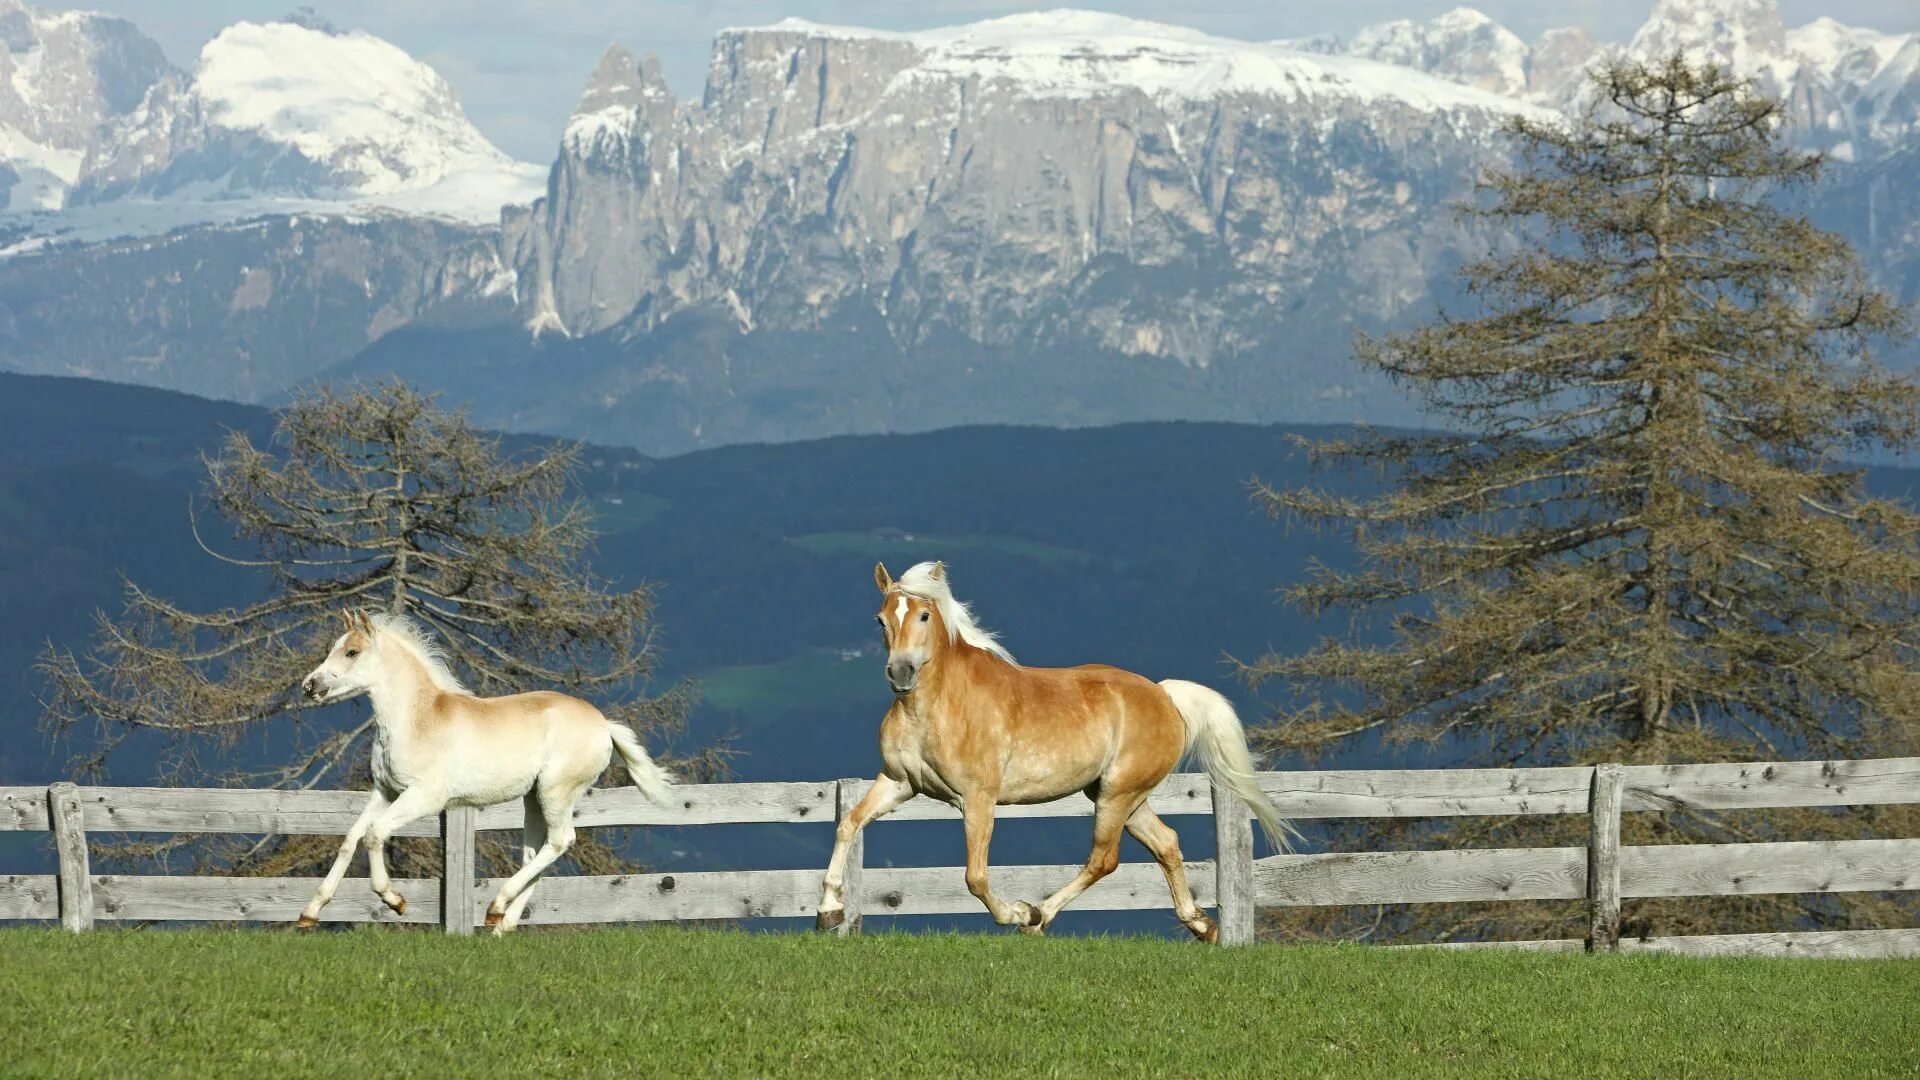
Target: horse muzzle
[(902, 676)]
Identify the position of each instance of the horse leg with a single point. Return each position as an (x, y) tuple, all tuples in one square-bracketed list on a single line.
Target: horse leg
[(1160, 839), (557, 809), (1109, 815), (416, 802), (376, 802), (881, 799), (533, 837), (977, 810)]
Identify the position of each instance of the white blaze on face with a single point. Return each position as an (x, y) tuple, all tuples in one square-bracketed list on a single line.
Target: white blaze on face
[(900, 613)]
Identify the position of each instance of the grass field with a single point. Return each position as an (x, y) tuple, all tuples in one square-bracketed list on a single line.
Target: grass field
[(669, 1002)]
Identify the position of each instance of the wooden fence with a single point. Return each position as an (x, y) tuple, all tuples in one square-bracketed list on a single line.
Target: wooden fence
[(1603, 872)]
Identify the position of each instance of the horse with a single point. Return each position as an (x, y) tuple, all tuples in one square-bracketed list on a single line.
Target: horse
[(436, 745), (973, 728)]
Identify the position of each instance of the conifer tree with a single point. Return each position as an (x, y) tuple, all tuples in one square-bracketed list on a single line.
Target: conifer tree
[(1645, 544)]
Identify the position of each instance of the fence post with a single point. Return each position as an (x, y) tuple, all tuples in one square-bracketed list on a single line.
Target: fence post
[(846, 796), (70, 841), (1603, 860), (457, 868), (1233, 867)]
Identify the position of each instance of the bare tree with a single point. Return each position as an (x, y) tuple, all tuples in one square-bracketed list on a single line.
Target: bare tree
[(371, 497), (1646, 547)]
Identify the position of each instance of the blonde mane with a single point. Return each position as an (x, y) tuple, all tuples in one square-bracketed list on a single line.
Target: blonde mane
[(413, 637), (921, 582)]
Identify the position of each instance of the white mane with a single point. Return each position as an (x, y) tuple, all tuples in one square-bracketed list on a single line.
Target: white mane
[(411, 635), (919, 581)]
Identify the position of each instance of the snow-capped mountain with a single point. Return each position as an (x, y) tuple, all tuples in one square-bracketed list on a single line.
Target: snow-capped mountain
[(62, 77), (1059, 217), (1463, 46), (291, 110), (1850, 92)]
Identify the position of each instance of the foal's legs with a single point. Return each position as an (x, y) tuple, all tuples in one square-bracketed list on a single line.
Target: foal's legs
[(1164, 843), (533, 837), (416, 802), (556, 806), (881, 799), (978, 812), (1110, 813), (376, 803)]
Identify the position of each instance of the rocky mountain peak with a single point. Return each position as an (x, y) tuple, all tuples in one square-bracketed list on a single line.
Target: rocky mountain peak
[(62, 76)]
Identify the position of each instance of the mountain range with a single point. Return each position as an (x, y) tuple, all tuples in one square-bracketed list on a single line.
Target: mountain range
[(1058, 218)]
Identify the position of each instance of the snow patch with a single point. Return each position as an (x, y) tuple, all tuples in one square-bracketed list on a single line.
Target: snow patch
[(1084, 53)]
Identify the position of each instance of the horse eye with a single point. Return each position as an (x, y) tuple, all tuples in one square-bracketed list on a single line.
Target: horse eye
[(351, 653), (925, 615)]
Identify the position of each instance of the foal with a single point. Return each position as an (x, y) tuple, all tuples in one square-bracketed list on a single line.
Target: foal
[(972, 728), (437, 745)]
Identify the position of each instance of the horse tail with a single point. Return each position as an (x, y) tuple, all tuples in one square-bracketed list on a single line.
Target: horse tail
[(1214, 731), (653, 781)]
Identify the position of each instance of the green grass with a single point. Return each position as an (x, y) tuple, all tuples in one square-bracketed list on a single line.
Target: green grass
[(670, 1002), (814, 678)]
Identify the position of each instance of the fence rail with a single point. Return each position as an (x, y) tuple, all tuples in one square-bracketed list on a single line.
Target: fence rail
[(1603, 872)]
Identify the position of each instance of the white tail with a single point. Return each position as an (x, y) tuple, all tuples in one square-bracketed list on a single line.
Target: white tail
[(653, 781), (1215, 732)]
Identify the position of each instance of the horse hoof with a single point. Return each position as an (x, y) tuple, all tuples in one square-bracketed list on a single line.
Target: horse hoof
[(398, 904), (830, 920), (305, 922), (1210, 935), (494, 917), (1028, 919)]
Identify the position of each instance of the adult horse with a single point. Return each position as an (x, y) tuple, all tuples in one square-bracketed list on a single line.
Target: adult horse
[(435, 744), (971, 727)]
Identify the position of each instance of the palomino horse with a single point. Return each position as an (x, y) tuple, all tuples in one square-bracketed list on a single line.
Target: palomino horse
[(971, 727), (437, 745)]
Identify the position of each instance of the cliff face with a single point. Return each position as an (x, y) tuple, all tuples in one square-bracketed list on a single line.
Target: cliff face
[(1034, 181)]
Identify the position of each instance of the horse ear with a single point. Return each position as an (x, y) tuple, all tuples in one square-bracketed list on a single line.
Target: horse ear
[(939, 572), (881, 577)]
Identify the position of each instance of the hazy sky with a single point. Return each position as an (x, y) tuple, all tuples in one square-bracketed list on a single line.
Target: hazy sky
[(518, 65)]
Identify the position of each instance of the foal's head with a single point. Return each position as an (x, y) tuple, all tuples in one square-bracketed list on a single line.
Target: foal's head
[(349, 668)]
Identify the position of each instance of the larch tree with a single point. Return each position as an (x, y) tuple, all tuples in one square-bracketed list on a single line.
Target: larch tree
[(1644, 544), (370, 498)]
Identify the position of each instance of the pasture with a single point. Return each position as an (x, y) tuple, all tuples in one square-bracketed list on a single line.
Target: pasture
[(380, 1001)]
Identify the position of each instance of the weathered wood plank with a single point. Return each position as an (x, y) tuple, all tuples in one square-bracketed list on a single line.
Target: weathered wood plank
[(847, 795), (746, 894), (627, 898), (231, 810), (1603, 860), (942, 890), (457, 856), (23, 809), (1421, 877), (1233, 867), (70, 840), (1816, 943), (694, 804), (1378, 793), (1819, 866), (208, 899), (30, 896), (1181, 793), (1750, 785)]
